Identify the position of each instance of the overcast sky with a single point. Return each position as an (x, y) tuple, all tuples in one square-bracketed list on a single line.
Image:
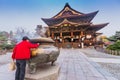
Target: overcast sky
[(28, 13)]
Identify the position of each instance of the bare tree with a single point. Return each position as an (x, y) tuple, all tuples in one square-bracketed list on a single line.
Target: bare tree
[(20, 32), (40, 31)]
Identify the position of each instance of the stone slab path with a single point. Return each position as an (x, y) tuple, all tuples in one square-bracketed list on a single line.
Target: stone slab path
[(106, 60), (77, 66)]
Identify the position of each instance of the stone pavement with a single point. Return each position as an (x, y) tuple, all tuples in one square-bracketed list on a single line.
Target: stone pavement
[(5, 73), (104, 60), (74, 65), (4, 59), (77, 66)]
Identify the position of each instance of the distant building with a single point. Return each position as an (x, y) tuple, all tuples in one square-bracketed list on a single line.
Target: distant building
[(71, 28)]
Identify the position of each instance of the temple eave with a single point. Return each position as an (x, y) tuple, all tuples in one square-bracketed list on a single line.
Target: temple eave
[(74, 19), (97, 27)]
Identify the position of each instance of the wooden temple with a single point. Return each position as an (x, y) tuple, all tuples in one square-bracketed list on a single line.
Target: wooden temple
[(71, 28)]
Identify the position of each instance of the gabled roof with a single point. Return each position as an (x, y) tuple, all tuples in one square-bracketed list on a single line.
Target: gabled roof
[(76, 19), (67, 11), (71, 15)]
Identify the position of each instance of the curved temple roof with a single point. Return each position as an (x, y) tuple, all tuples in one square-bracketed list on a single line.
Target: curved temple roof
[(71, 15), (97, 27)]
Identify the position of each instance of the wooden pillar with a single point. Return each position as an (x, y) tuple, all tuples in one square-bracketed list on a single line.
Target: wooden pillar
[(81, 33), (61, 39), (95, 38), (48, 32), (71, 34), (52, 35), (60, 34), (80, 37)]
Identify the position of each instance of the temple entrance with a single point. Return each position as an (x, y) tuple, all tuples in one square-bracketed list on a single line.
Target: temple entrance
[(67, 42)]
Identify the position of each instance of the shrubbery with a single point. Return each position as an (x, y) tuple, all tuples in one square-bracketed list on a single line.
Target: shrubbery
[(7, 46), (115, 46)]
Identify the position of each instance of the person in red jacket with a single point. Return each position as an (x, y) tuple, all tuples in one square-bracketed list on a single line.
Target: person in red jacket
[(21, 53)]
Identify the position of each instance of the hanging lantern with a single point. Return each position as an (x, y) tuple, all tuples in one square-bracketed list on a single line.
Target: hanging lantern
[(82, 38), (77, 37), (60, 40), (88, 36), (71, 39), (55, 37), (58, 37)]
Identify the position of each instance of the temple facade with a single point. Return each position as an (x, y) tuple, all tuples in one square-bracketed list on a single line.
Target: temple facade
[(70, 28)]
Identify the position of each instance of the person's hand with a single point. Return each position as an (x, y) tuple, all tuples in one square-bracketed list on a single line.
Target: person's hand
[(13, 60), (38, 43)]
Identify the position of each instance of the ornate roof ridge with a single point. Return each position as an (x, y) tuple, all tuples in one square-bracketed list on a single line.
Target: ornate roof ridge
[(67, 7)]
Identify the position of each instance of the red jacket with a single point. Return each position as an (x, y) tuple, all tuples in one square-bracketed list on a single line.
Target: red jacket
[(22, 50)]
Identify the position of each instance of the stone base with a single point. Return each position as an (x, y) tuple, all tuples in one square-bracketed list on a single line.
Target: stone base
[(44, 72)]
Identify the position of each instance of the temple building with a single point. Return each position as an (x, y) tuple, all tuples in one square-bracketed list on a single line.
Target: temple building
[(71, 28)]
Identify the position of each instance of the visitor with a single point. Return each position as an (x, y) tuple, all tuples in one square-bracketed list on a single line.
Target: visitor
[(21, 53)]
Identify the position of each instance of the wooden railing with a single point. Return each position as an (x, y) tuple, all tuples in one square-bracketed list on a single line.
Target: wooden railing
[(113, 52)]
